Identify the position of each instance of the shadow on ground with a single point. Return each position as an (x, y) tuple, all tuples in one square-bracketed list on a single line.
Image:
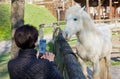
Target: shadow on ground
[(115, 56)]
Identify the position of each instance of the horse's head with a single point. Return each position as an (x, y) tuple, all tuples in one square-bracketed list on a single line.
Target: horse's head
[(74, 21)]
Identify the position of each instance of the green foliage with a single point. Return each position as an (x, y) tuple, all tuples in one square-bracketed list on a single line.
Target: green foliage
[(115, 63), (50, 47), (34, 15), (114, 34), (4, 14), (5, 22), (73, 41), (38, 15), (3, 66)]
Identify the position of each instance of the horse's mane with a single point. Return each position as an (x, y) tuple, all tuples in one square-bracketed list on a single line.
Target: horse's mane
[(88, 22)]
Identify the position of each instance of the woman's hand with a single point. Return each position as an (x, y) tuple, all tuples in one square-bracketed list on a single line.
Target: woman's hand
[(49, 56)]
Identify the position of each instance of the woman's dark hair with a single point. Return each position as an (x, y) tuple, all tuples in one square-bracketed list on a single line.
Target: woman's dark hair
[(26, 36)]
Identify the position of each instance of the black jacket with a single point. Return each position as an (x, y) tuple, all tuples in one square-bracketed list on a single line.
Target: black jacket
[(27, 66)]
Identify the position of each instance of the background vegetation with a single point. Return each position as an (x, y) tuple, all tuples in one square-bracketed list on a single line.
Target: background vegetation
[(34, 15), (38, 15), (3, 66), (5, 22)]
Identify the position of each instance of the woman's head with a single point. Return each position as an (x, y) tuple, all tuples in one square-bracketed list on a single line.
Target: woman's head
[(26, 36)]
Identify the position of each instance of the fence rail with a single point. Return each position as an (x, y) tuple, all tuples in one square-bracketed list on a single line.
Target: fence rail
[(42, 2), (107, 20)]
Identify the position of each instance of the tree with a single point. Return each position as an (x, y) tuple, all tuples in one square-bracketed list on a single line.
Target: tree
[(17, 19)]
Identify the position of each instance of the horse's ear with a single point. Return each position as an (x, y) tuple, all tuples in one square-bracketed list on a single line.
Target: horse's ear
[(82, 9), (78, 5)]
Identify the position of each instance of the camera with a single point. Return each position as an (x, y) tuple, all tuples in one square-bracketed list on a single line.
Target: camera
[(42, 46)]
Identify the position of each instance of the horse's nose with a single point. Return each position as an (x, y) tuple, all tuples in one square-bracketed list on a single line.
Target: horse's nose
[(65, 34)]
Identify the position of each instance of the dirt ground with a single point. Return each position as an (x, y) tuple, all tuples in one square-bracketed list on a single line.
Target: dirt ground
[(115, 70), (116, 47)]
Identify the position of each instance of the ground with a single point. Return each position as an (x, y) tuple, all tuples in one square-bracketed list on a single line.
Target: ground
[(116, 48), (115, 70)]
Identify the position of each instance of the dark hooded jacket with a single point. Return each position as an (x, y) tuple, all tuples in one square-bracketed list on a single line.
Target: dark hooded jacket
[(27, 66)]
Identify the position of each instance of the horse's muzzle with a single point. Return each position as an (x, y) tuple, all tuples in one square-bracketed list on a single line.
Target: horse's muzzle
[(66, 35)]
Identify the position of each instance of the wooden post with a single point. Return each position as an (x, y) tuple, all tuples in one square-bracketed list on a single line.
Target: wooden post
[(54, 25), (87, 5), (65, 58), (110, 4), (58, 15), (41, 33), (99, 8), (73, 2)]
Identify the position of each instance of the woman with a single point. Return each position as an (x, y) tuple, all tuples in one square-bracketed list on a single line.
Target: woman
[(27, 65)]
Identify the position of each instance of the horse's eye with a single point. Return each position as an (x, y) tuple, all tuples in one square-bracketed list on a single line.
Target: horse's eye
[(75, 19)]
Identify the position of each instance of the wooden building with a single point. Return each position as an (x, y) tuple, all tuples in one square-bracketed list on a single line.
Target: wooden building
[(102, 9), (98, 9), (58, 7), (5, 1)]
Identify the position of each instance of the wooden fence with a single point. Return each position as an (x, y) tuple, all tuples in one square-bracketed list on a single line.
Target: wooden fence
[(107, 20)]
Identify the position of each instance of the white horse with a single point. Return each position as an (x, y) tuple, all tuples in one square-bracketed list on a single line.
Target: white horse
[(93, 42)]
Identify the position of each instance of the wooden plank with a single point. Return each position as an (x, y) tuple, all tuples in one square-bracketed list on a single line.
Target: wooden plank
[(116, 30), (42, 2), (87, 6), (106, 20), (99, 7), (116, 46), (110, 4)]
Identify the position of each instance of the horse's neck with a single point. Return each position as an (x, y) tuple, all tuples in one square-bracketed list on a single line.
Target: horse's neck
[(89, 29), (88, 25)]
